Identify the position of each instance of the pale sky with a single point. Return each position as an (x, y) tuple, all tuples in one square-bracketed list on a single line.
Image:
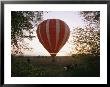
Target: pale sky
[(72, 19)]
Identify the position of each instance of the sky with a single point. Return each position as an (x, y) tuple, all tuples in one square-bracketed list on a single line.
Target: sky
[(71, 18)]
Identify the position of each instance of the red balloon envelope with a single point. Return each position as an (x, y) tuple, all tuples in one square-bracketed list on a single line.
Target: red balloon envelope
[(53, 34)]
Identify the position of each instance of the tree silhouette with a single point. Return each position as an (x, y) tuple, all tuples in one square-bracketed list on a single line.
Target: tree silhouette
[(21, 22), (92, 18), (87, 39)]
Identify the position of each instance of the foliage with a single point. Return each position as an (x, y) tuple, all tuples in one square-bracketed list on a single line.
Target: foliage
[(87, 39), (23, 21), (92, 18)]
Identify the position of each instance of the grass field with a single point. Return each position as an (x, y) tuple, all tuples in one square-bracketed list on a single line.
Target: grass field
[(64, 66)]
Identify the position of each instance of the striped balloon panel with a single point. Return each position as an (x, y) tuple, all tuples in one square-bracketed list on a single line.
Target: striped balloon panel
[(53, 34)]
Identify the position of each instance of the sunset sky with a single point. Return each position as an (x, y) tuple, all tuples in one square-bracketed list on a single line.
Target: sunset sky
[(72, 19)]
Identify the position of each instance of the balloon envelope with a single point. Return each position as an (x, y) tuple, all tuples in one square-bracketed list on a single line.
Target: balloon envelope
[(53, 34)]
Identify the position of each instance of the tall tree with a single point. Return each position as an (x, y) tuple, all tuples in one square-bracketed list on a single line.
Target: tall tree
[(87, 40), (23, 21)]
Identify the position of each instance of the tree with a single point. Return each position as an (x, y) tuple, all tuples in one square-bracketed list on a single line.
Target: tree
[(91, 18), (87, 40), (23, 21)]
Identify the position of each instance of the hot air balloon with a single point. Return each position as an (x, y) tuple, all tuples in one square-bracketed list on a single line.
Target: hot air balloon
[(53, 34)]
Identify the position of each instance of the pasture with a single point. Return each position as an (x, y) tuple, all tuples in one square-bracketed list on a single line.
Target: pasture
[(62, 66)]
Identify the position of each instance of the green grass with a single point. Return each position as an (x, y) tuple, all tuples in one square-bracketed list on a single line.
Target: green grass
[(87, 66)]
